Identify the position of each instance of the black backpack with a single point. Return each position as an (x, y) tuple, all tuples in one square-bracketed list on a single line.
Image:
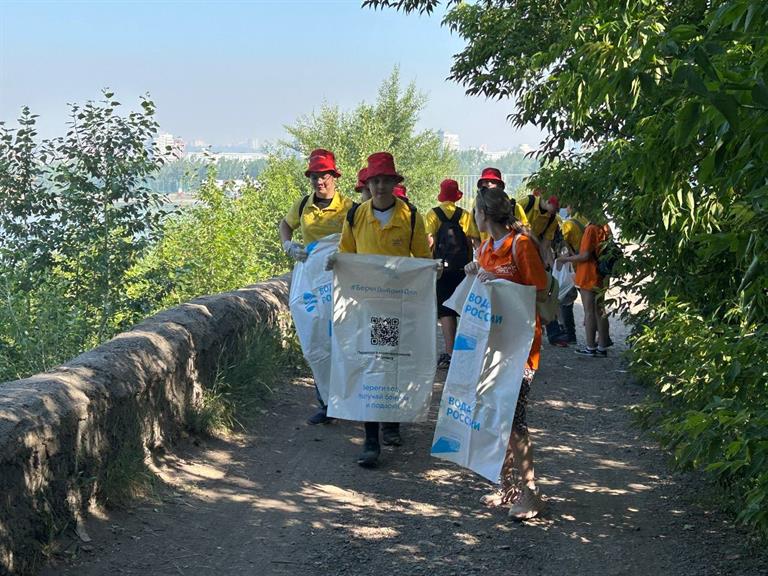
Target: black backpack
[(452, 245), (610, 254)]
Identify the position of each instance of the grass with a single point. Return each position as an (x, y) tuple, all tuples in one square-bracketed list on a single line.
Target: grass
[(246, 376)]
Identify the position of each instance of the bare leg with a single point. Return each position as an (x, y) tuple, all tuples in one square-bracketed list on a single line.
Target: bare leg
[(590, 316), (522, 455), (448, 326), (603, 335)]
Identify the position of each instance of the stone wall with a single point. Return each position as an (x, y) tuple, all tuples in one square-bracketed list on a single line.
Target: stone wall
[(60, 430)]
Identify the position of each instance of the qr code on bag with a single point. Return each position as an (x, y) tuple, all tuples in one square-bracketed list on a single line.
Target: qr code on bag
[(385, 331)]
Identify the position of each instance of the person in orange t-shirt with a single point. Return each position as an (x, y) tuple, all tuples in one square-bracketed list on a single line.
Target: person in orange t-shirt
[(494, 214), (591, 288)]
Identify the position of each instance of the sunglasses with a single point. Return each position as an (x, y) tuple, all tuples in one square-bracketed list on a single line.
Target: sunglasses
[(318, 175)]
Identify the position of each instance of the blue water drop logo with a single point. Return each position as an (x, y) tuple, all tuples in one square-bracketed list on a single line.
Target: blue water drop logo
[(310, 301)]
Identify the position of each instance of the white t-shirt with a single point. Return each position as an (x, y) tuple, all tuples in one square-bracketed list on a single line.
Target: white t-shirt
[(384, 216)]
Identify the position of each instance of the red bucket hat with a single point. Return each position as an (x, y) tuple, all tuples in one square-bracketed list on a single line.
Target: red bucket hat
[(449, 191), (321, 160), (555, 202), (362, 176), (493, 174), (382, 164), (400, 191)]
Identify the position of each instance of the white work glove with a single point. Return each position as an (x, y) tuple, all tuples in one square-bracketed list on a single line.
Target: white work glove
[(440, 267), (295, 251), (472, 268)]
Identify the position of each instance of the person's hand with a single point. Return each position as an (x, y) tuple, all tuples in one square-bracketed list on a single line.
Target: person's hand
[(440, 267), (485, 276), (295, 251), (330, 261), (560, 261), (472, 268)]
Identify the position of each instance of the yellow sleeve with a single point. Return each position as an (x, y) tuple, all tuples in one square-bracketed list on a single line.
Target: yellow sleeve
[(347, 242), (520, 214), (292, 218), (419, 244), (468, 224), (431, 222)]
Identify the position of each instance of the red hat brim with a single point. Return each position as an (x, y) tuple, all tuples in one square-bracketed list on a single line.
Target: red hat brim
[(333, 173)]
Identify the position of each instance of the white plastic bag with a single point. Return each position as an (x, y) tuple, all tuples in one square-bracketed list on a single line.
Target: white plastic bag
[(493, 341), (565, 278), (384, 338), (311, 303)]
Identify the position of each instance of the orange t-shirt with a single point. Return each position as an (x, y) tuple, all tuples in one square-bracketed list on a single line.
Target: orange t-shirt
[(525, 268), (586, 276)]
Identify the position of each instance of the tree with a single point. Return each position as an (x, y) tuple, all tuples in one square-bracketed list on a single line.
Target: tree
[(390, 125), (76, 215), (668, 100)]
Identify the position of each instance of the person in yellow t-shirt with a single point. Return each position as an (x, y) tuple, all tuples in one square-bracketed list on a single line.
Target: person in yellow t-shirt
[(573, 229), (388, 226), (361, 186), (318, 215), (543, 222), (450, 218)]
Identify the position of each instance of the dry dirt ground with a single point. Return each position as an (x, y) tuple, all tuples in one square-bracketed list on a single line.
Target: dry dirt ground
[(288, 498)]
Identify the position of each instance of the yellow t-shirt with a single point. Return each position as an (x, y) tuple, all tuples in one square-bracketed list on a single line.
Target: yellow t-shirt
[(538, 221), (317, 222), (368, 236), (467, 222), (572, 232)]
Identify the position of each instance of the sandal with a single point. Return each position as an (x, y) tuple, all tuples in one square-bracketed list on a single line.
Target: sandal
[(444, 361)]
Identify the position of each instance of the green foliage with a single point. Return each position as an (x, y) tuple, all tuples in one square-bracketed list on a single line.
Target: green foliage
[(388, 125), (225, 242), (667, 101), (247, 373), (75, 215)]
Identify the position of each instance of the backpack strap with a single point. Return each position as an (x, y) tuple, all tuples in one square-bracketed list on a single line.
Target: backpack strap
[(303, 205), (514, 247), (456, 215), (531, 202), (351, 214), (413, 221), (440, 214), (551, 219)]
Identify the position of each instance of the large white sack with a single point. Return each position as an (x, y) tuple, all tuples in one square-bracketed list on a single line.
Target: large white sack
[(565, 278), (311, 304), (493, 340), (384, 338)]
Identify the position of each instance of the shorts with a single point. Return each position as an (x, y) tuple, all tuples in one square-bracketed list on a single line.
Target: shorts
[(520, 424), (446, 286)]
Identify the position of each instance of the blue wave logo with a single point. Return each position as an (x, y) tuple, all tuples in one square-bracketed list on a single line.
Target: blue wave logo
[(464, 342), (310, 301), (445, 445)]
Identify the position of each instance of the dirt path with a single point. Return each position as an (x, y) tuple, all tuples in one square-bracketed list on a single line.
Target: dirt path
[(289, 499)]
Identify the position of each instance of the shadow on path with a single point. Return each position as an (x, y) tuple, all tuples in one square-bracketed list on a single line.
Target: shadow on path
[(288, 498)]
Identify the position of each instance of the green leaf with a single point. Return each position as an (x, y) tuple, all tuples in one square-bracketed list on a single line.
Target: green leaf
[(687, 122), (728, 106), (760, 94)]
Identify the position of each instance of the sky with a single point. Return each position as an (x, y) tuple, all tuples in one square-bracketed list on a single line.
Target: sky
[(230, 71)]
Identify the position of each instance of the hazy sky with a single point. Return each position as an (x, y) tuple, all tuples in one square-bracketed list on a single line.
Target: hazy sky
[(230, 71)]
